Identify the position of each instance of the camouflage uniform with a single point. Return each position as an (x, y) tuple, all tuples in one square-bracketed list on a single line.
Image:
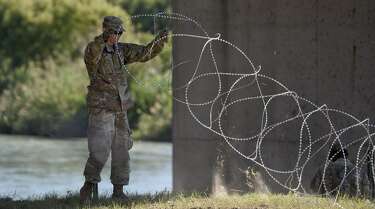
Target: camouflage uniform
[(334, 174), (108, 100)]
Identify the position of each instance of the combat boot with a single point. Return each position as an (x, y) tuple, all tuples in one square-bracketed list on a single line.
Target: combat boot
[(118, 194), (88, 192)]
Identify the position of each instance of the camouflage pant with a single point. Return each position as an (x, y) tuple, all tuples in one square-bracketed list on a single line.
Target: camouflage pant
[(108, 132)]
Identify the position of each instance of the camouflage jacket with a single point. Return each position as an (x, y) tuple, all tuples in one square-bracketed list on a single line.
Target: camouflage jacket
[(108, 87), (332, 181)]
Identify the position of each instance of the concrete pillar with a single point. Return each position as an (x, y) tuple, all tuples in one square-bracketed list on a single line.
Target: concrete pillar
[(323, 50)]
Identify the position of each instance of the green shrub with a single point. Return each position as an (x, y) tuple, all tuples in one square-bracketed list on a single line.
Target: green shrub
[(42, 76), (46, 100), (39, 29), (152, 113), (136, 7)]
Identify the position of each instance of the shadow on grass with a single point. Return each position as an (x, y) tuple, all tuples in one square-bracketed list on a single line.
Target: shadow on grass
[(71, 201)]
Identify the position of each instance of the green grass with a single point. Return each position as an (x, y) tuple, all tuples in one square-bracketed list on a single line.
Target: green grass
[(192, 201)]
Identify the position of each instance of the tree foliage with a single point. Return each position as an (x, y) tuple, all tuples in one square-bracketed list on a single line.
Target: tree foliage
[(43, 78), (136, 7), (38, 29)]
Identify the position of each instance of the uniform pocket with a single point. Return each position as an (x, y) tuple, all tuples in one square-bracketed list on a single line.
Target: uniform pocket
[(129, 132), (95, 99), (101, 119)]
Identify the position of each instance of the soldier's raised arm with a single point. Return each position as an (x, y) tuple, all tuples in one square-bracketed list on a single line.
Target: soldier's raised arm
[(93, 53), (140, 53)]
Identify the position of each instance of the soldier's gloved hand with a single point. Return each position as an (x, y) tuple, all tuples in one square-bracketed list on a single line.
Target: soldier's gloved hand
[(106, 35), (163, 36)]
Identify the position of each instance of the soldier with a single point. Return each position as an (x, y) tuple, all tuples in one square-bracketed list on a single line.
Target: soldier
[(340, 176), (108, 99)]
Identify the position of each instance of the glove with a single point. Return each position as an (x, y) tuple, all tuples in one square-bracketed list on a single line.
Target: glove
[(163, 36), (106, 35)]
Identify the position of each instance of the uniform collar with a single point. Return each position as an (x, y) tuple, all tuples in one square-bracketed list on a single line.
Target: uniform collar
[(109, 48)]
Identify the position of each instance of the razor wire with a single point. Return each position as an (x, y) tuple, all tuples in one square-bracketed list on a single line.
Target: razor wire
[(257, 75)]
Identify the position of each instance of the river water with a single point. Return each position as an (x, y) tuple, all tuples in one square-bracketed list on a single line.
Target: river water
[(31, 167)]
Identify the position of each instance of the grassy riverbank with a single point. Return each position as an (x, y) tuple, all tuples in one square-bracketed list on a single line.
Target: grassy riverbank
[(178, 201)]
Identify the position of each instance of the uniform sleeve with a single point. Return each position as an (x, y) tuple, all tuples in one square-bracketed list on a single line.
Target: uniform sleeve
[(140, 53), (93, 53)]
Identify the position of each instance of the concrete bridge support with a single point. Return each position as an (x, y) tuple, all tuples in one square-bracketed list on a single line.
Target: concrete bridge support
[(322, 49)]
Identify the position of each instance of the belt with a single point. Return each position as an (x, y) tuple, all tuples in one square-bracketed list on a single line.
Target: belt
[(103, 88)]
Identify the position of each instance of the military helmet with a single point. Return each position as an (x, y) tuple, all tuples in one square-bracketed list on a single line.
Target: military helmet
[(113, 23)]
